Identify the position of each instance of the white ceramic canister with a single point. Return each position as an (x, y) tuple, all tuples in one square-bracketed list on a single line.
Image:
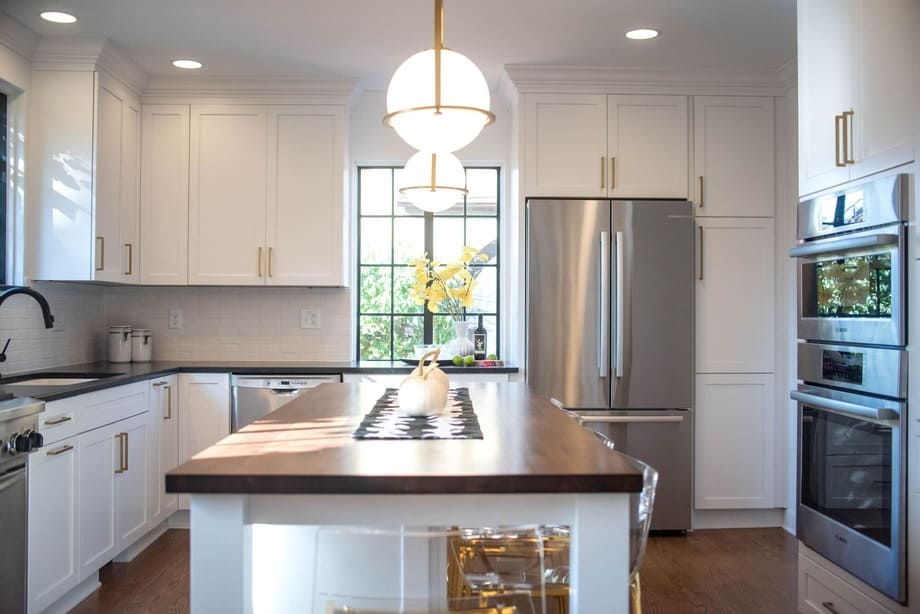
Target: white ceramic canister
[(141, 345), (119, 344)]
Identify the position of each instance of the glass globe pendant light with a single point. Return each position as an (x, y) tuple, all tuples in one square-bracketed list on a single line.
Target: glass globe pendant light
[(434, 181), (438, 99)]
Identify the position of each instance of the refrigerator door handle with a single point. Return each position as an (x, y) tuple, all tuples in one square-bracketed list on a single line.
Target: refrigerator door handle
[(618, 350), (603, 347)]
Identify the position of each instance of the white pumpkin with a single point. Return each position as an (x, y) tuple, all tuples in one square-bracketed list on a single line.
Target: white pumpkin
[(424, 392)]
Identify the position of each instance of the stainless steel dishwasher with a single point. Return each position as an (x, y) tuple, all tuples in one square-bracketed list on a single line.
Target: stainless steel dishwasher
[(255, 396)]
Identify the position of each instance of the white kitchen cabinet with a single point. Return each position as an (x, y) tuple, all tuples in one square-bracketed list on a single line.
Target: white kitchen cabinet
[(565, 145), (734, 432), (227, 195), (733, 157), (306, 238), (164, 446), (588, 145), (856, 89), (52, 524), (164, 195), (98, 458), (204, 414), (85, 144), (647, 146), (735, 295), (132, 484)]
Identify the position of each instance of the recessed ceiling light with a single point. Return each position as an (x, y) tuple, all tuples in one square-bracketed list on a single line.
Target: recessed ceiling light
[(642, 34), (187, 64), (58, 17)]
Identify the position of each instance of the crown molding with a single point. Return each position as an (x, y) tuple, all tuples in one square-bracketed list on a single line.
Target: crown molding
[(17, 37), (252, 89), (541, 78), (88, 54)]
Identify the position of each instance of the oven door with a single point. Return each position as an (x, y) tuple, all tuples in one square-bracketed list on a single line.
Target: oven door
[(851, 288), (851, 484)]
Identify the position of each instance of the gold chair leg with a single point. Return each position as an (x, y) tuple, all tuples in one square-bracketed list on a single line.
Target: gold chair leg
[(635, 592)]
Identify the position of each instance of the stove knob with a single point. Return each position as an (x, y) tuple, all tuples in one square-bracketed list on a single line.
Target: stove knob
[(36, 439), (20, 443)]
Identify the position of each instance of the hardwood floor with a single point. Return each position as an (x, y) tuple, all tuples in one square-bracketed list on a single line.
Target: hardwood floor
[(744, 571)]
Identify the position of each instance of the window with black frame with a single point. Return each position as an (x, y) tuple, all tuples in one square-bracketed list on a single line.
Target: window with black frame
[(392, 232), (4, 182)]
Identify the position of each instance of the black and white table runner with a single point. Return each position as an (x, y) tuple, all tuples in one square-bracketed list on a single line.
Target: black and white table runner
[(456, 421)]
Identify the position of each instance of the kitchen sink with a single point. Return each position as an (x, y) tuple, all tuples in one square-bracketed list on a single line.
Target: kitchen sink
[(54, 379)]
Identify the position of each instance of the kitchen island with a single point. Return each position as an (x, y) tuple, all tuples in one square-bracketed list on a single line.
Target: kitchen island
[(301, 466)]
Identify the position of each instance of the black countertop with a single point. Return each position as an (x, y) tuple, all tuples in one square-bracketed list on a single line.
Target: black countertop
[(118, 374)]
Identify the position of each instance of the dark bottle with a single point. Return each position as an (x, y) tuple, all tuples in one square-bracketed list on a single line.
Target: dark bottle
[(479, 341)]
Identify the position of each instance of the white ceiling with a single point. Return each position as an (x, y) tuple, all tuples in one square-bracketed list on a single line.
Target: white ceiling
[(367, 39)]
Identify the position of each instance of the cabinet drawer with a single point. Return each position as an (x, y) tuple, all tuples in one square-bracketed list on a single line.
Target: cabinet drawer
[(86, 412), (58, 421), (821, 592)]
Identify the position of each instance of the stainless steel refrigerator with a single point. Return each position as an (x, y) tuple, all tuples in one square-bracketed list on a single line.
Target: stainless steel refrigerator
[(610, 328)]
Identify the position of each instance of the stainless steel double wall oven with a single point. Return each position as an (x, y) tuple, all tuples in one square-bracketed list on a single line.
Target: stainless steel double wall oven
[(852, 372)]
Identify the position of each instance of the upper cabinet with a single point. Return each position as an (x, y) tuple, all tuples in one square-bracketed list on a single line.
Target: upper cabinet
[(266, 195), (586, 145), (85, 137), (856, 89), (733, 157), (164, 195)]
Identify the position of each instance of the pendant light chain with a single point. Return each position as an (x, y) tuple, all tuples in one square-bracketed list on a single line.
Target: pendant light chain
[(438, 46), (434, 171)]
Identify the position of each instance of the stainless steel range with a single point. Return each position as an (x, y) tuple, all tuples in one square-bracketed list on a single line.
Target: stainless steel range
[(852, 371), (18, 436)]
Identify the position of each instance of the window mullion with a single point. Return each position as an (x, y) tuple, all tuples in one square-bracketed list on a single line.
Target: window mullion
[(427, 317)]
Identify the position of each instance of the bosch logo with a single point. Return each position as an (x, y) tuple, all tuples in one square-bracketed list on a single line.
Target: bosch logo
[(840, 539)]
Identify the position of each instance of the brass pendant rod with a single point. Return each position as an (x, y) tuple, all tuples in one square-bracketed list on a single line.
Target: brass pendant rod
[(434, 166), (438, 45)]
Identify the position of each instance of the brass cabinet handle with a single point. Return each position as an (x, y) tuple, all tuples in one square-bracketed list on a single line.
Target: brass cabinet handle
[(269, 261), (613, 172), (848, 137), (100, 253), (158, 384), (126, 450), (829, 606), (60, 450), (700, 276), (121, 453), (130, 259), (57, 421), (838, 120), (168, 415), (603, 170), (259, 270), (701, 192)]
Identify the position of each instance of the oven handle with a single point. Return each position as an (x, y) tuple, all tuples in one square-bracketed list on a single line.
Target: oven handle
[(842, 407), (843, 245)]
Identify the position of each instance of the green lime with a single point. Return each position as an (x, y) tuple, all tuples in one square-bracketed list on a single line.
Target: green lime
[(492, 357), (458, 361), (469, 361)]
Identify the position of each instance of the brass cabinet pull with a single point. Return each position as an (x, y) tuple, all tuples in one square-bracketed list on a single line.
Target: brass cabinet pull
[(60, 450), (158, 384), (603, 170), (259, 270), (700, 276), (126, 450), (848, 137), (613, 172), (829, 606), (57, 421), (121, 453), (269, 262), (168, 415), (701, 192), (838, 120), (130, 259), (100, 253)]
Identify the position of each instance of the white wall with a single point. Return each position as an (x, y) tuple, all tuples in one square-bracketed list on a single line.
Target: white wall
[(236, 324)]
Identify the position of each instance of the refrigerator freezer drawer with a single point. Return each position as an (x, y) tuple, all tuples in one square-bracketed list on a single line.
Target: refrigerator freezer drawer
[(663, 440)]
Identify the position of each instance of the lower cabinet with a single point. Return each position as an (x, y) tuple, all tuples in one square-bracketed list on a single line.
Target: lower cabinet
[(204, 414), (52, 523), (163, 421), (822, 591), (735, 428), (113, 494)]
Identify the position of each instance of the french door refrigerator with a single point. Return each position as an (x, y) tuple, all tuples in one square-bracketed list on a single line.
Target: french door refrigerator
[(610, 328)]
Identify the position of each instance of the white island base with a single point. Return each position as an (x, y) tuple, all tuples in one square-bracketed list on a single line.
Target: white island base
[(259, 553)]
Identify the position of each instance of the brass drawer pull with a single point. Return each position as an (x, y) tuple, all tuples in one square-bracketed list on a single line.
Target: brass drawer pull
[(57, 421), (60, 450), (259, 267), (269, 262), (122, 448), (100, 253), (603, 170), (848, 137), (613, 172), (701, 191), (829, 606), (838, 121), (130, 270), (168, 415)]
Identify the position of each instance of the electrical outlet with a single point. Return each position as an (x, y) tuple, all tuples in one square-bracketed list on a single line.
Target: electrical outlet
[(175, 318), (309, 318)]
